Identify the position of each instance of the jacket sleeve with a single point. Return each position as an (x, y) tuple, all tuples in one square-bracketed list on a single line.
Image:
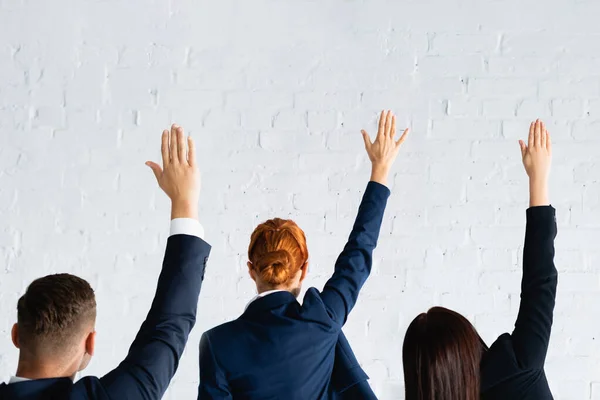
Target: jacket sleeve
[(531, 335), (213, 383), (353, 265), (154, 355)]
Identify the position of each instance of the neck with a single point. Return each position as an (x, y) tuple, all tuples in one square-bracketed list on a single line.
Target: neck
[(43, 370), (268, 289), (261, 289)]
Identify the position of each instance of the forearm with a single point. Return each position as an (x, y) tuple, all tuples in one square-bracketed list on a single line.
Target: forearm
[(353, 265), (181, 276), (538, 192), (538, 250), (538, 289), (379, 174), (154, 355), (184, 209), (367, 224)]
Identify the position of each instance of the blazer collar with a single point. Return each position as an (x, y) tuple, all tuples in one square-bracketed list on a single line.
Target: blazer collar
[(33, 387), (269, 302)]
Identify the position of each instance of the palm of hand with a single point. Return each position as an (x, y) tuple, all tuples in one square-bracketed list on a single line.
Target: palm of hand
[(537, 154)]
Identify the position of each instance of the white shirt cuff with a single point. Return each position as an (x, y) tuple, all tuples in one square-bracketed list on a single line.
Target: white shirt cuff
[(186, 226)]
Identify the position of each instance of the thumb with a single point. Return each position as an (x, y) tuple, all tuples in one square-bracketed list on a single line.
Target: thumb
[(155, 168), (366, 139), (523, 148)]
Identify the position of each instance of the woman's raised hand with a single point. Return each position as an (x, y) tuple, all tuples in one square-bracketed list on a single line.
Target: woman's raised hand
[(537, 157), (383, 151)]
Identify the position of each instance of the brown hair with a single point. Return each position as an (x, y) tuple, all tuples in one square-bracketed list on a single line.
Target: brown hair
[(277, 250), (54, 311), (441, 355)]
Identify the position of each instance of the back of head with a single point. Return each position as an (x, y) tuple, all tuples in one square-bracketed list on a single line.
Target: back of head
[(441, 355), (277, 251), (54, 315)]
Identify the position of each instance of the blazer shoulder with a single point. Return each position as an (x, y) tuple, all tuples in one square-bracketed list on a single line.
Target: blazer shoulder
[(312, 301), (89, 387), (313, 308), (223, 329)]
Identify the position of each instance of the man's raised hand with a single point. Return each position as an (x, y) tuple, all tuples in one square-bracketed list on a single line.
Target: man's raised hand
[(179, 177)]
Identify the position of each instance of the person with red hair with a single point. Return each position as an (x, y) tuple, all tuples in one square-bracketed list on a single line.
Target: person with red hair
[(279, 348)]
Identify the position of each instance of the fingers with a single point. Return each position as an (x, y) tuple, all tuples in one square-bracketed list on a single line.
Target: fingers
[(388, 123), (191, 151), (548, 143), (164, 148), (366, 139), (538, 133), (543, 135), (155, 168), (173, 147), (523, 148), (403, 137), (531, 134), (393, 131), (181, 143), (381, 128)]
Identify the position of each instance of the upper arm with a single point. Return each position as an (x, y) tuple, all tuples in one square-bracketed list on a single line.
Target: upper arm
[(213, 382), (154, 355), (531, 335), (354, 263)]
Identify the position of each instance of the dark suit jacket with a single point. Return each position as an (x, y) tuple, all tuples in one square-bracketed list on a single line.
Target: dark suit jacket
[(279, 349), (513, 367), (348, 380), (154, 355)]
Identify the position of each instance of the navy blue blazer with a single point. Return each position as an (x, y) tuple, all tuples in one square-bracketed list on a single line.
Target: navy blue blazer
[(154, 355), (513, 367), (279, 349), (348, 380)]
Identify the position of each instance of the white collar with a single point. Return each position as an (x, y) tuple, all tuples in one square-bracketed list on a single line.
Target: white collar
[(263, 294), (15, 379)]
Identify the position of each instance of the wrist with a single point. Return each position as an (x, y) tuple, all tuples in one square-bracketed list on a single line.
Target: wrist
[(538, 186), (184, 209), (538, 192), (379, 173)]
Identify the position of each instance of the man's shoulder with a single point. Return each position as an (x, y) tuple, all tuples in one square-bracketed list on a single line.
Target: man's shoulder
[(85, 388), (89, 387)]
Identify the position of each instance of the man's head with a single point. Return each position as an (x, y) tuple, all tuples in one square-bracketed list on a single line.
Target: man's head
[(55, 326)]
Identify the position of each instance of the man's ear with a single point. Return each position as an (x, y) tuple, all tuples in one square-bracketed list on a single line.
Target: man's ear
[(90, 343), (14, 333), (251, 271), (304, 270)]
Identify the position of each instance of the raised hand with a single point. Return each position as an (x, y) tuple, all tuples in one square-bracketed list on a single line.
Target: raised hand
[(179, 178), (384, 150), (537, 157)]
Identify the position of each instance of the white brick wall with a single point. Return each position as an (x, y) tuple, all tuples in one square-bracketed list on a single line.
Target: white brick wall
[(275, 93)]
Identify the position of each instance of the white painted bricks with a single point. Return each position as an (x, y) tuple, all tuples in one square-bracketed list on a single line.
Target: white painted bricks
[(275, 94)]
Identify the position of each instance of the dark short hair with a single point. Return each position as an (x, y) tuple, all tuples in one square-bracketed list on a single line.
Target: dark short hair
[(54, 311), (441, 355)]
